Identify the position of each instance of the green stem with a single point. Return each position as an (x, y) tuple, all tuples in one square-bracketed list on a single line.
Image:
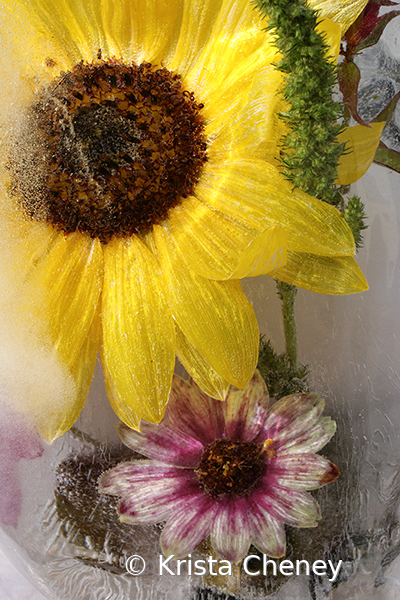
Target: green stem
[(287, 294)]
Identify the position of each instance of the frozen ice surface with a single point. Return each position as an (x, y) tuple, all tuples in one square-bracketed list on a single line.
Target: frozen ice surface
[(380, 80), (14, 585)]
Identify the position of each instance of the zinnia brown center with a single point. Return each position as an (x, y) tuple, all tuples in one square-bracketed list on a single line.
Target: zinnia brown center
[(230, 468), (109, 149)]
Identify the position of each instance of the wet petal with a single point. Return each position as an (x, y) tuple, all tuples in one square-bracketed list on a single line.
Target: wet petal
[(268, 532), (36, 55), (214, 316), (245, 411), (298, 509), (202, 372), (138, 330), (163, 443), (194, 413), (322, 274), (188, 527), (224, 72), (344, 12), (295, 424), (61, 286), (217, 247), (302, 471), (70, 276), (141, 31), (361, 145), (151, 492), (82, 372), (75, 24), (255, 193), (331, 33), (129, 476), (232, 529), (254, 129), (194, 33)]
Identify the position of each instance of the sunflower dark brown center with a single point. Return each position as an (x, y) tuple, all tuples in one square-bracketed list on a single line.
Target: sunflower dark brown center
[(109, 149), (230, 468)]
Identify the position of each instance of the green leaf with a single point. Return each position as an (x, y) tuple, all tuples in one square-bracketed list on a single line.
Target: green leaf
[(387, 157)]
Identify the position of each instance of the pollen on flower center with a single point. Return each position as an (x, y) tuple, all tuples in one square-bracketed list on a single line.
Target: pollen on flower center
[(231, 468), (109, 149)]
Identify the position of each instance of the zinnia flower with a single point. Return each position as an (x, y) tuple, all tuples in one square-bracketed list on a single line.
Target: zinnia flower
[(234, 470), (141, 185)]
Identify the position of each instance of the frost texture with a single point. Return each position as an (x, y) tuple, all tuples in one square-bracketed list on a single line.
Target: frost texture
[(380, 80)]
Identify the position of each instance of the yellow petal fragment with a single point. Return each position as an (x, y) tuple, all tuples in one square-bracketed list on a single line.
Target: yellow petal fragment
[(253, 192), (332, 33), (202, 372), (215, 316), (65, 288), (323, 274), (57, 422), (344, 12), (138, 330), (361, 145), (217, 247)]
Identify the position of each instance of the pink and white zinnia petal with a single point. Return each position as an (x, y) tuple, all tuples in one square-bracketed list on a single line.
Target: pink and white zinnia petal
[(153, 498), (246, 410), (296, 426), (162, 443), (194, 413), (232, 529), (188, 526), (298, 509), (302, 472), (269, 535)]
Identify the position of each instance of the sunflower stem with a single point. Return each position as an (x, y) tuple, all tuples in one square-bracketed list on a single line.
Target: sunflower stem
[(287, 294)]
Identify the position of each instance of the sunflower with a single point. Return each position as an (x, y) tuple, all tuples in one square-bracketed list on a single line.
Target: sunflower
[(139, 184)]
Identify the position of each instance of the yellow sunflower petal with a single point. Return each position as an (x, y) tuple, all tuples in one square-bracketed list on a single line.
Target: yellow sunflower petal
[(255, 193), (73, 24), (67, 283), (253, 130), (52, 287), (138, 330), (332, 33), (194, 33), (217, 247), (323, 274), (361, 145), (36, 54), (215, 316), (237, 49), (344, 12), (202, 372), (57, 422), (126, 413), (142, 31)]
